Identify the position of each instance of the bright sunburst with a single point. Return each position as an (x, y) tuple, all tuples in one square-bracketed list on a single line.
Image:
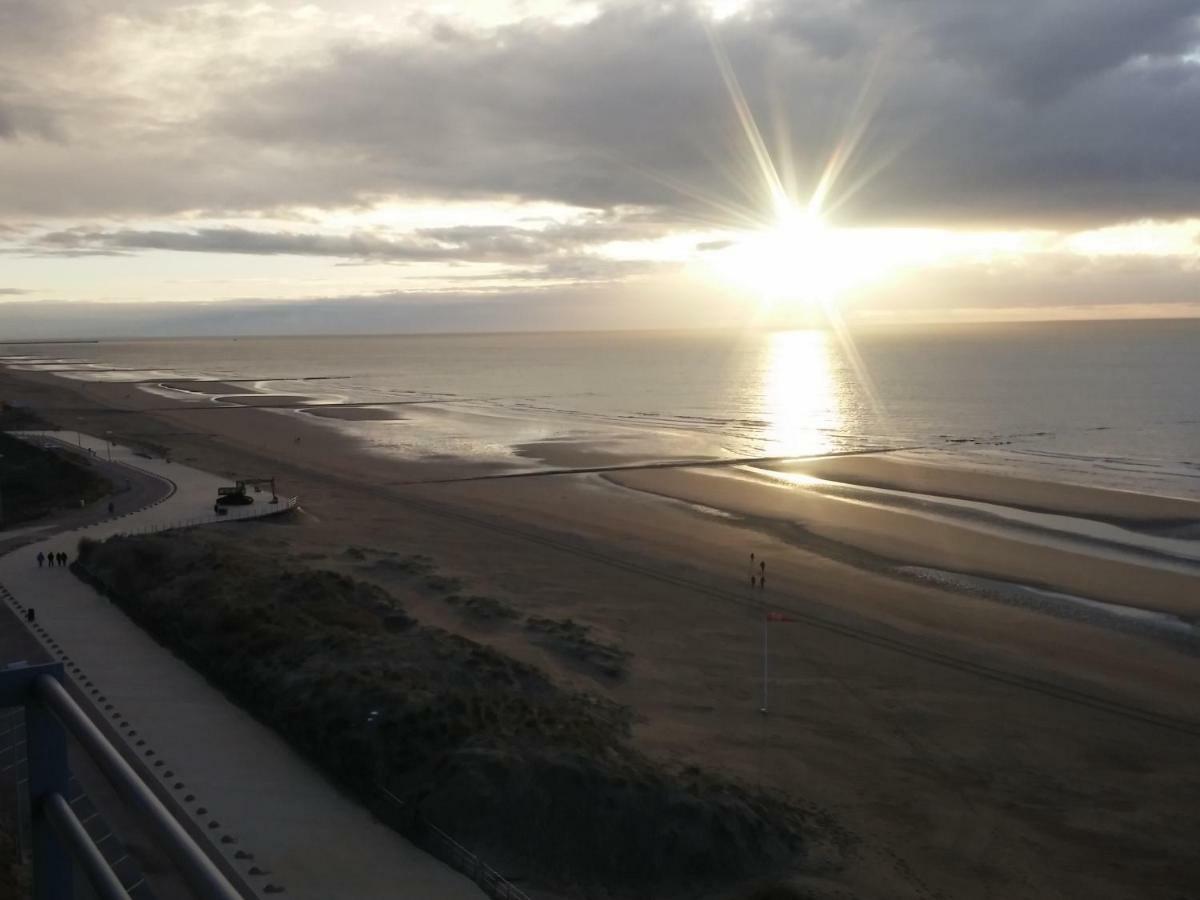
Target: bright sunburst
[(800, 258), (795, 257)]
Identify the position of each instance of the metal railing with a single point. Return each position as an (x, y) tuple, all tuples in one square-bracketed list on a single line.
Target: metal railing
[(233, 515), (452, 853), (459, 857), (58, 835)]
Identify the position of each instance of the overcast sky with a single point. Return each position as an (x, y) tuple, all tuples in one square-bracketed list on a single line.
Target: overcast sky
[(339, 166)]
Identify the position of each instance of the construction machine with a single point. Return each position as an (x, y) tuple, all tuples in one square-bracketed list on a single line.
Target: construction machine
[(237, 496)]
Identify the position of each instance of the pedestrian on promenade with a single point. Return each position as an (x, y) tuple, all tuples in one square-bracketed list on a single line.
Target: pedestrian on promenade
[(50, 559), (41, 558), (63, 559)]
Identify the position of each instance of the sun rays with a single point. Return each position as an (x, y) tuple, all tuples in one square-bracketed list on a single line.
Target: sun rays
[(792, 257)]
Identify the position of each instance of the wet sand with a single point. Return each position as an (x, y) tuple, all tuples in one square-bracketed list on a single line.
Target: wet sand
[(906, 536), (207, 388), (975, 749), (904, 471), (354, 414)]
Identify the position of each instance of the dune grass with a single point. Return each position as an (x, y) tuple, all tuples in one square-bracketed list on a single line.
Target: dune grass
[(35, 481), (539, 780)]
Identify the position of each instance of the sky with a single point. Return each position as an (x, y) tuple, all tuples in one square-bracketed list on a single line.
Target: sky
[(171, 167)]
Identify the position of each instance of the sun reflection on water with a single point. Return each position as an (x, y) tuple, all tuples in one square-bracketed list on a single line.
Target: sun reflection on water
[(801, 393)]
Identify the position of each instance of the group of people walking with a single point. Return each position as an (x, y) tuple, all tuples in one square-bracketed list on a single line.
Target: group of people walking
[(52, 559), (758, 579)]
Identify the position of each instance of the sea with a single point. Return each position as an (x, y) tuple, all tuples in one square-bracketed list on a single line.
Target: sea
[(1110, 403)]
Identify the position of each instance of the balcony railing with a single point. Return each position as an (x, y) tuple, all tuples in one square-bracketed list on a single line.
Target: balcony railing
[(58, 837)]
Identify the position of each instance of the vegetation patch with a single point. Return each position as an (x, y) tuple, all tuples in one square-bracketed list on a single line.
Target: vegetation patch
[(573, 642), (441, 583), (21, 418), (480, 609), (417, 564), (35, 481), (537, 779)]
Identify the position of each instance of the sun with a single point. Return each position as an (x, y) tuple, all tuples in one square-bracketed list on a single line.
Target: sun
[(799, 259)]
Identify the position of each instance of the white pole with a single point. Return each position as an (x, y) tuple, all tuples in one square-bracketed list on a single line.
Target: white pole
[(766, 658)]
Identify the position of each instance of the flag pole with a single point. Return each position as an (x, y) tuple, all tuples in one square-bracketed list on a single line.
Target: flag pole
[(762, 585), (766, 657)]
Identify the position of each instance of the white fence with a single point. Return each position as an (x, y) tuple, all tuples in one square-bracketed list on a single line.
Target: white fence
[(232, 514)]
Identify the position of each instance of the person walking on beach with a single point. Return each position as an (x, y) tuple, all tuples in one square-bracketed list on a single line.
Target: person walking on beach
[(41, 558), (62, 559), (50, 559)]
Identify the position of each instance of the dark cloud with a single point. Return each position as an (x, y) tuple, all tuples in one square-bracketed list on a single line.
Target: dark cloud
[(13, 292), (1031, 111), (1042, 49), (418, 248), (1067, 110), (557, 243)]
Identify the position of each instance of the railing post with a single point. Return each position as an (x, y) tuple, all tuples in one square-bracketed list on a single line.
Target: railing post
[(46, 746)]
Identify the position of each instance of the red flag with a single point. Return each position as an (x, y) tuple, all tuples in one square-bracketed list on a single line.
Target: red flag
[(778, 617)]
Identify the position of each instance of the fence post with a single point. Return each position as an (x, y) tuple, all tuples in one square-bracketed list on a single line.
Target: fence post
[(46, 743)]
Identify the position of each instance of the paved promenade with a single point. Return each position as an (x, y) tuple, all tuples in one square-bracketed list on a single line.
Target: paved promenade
[(246, 784)]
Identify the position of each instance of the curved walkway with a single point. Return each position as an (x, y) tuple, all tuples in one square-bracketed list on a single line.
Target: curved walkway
[(265, 810)]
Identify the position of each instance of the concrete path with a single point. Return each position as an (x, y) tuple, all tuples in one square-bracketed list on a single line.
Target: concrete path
[(305, 836)]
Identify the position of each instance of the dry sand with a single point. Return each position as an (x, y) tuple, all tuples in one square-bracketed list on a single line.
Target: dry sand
[(977, 749)]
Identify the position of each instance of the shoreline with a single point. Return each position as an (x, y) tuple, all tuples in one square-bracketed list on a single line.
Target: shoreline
[(312, 442), (512, 435)]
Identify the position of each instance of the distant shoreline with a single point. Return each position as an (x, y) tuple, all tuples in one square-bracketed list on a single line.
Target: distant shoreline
[(854, 325)]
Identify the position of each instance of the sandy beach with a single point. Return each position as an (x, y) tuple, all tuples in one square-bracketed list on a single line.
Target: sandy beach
[(976, 747)]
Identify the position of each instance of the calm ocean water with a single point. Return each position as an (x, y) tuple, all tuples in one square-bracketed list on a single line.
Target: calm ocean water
[(1118, 403)]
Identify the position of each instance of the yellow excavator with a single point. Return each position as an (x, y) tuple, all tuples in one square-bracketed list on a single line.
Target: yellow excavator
[(237, 496)]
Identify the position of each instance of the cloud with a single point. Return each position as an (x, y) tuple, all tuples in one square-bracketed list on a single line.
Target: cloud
[(554, 250), (1062, 110), (1046, 111), (470, 244), (13, 292), (1044, 280), (1042, 49), (565, 307)]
